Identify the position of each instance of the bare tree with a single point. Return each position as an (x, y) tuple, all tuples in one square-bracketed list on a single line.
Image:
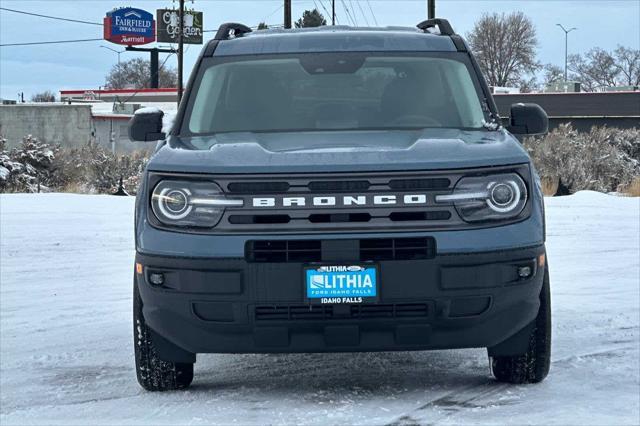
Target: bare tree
[(46, 96), (311, 18), (627, 62), (595, 70), (552, 74), (505, 47), (136, 74)]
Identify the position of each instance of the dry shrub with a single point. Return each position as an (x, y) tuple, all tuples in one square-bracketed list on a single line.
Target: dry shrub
[(36, 166), (604, 159), (549, 185), (632, 189), (94, 169)]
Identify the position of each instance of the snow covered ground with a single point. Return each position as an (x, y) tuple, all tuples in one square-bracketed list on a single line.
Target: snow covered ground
[(66, 336)]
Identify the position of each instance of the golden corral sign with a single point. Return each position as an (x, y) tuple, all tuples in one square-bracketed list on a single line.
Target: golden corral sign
[(167, 26)]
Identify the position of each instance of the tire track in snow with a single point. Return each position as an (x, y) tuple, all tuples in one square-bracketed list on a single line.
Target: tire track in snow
[(458, 400)]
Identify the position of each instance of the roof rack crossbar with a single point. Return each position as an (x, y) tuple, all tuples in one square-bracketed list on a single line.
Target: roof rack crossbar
[(231, 30), (443, 25)]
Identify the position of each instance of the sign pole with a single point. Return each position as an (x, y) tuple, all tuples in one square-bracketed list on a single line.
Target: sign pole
[(155, 71), (180, 49), (154, 81)]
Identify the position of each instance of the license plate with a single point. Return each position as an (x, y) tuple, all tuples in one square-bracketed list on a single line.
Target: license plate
[(341, 283)]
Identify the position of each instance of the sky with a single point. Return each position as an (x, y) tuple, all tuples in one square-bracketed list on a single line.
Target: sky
[(32, 69)]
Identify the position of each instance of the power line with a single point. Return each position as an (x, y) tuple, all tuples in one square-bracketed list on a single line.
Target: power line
[(346, 9), (272, 13), (362, 12), (353, 12), (324, 8), (50, 17), (372, 14), (49, 42)]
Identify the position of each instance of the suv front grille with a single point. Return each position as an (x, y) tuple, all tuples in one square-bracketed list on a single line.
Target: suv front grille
[(347, 202), (370, 249), (327, 312)]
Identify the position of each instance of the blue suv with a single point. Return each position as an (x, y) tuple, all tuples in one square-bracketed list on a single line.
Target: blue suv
[(339, 190)]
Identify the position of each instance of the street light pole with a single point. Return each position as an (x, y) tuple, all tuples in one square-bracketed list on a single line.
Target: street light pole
[(114, 50), (566, 47)]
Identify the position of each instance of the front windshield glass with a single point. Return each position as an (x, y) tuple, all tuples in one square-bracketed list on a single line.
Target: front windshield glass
[(336, 91)]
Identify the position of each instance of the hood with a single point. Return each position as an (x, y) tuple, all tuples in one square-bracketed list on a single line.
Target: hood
[(339, 151)]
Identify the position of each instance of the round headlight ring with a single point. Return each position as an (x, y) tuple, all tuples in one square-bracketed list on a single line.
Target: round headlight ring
[(501, 206), (170, 198)]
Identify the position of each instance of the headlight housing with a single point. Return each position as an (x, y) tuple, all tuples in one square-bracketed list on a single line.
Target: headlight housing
[(185, 203), (485, 198)]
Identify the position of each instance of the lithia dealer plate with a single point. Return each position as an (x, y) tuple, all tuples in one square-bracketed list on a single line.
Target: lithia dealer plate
[(341, 283)]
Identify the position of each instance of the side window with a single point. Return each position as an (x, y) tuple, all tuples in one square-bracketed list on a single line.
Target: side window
[(204, 107), (463, 93)]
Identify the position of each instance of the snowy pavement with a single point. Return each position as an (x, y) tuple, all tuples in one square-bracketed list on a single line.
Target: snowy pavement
[(66, 336)]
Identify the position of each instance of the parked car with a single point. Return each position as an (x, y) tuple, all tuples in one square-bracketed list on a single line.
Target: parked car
[(339, 190)]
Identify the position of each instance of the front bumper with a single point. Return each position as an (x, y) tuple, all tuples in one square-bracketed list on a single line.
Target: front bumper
[(229, 305)]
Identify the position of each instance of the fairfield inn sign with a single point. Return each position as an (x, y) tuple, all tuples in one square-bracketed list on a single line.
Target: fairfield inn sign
[(129, 26)]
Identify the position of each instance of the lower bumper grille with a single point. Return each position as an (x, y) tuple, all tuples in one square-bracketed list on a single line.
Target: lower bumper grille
[(330, 312)]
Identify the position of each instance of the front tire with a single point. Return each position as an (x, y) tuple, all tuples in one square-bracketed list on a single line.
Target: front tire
[(533, 365), (153, 373)]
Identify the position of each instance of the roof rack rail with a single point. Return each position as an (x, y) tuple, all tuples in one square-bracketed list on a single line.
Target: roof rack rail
[(443, 25), (231, 30)]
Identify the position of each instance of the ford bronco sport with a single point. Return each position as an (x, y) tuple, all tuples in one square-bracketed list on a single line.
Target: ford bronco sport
[(339, 189)]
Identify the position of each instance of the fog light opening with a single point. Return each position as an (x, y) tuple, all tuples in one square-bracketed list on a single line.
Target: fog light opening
[(156, 278), (525, 271)]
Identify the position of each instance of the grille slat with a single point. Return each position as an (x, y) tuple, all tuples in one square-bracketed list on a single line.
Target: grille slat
[(371, 249), (326, 312), (257, 187), (413, 184), (339, 186)]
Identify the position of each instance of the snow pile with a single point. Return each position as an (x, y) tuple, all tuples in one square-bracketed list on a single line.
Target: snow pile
[(67, 357)]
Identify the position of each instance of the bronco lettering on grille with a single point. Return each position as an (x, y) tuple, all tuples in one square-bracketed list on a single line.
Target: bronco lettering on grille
[(346, 200)]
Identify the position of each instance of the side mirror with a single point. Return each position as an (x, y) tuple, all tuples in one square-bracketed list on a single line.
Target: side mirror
[(528, 119), (146, 125)]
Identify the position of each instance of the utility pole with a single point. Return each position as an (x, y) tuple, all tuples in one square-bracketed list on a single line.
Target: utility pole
[(180, 49), (333, 12), (287, 13), (566, 46), (431, 9)]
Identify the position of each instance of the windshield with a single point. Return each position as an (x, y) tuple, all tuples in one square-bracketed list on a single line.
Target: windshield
[(335, 91)]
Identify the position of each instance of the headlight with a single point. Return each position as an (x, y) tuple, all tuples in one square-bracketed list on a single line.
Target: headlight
[(190, 203), (491, 197)]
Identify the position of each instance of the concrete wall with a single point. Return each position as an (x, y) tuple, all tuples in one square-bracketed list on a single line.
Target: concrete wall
[(105, 127), (68, 125)]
